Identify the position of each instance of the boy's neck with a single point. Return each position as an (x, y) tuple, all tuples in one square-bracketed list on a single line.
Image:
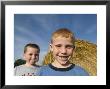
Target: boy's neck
[(58, 65), (29, 65)]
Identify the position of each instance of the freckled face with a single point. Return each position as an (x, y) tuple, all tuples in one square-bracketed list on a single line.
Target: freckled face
[(31, 55), (62, 49)]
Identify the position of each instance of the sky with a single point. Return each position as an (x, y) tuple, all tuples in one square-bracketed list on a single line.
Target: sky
[(38, 28)]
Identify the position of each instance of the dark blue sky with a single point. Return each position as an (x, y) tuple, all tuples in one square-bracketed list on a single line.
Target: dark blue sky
[(37, 28)]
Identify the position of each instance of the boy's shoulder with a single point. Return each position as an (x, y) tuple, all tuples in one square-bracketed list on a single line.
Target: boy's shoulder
[(25, 67), (44, 67), (19, 66), (80, 70), (78, 67), (38, 66)]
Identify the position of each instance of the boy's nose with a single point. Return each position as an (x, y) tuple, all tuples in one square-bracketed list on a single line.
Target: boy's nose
[(34, 57), (63, 50)]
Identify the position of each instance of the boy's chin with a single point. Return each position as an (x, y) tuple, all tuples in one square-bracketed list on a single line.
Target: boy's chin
[(63, 62), (34, 63)]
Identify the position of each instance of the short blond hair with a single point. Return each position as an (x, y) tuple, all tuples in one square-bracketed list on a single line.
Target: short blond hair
[(63, 32)]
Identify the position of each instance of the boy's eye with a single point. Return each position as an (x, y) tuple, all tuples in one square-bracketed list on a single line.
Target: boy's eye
[(58, 45), (69, 46), (30, 54), (36, 54), (33, 54)]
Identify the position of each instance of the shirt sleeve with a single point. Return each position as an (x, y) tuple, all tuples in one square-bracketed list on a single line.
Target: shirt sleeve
[(83, 72), (15, 70)]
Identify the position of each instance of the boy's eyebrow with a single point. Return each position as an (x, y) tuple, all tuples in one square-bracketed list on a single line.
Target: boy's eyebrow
[(58, 44), (70, 46)]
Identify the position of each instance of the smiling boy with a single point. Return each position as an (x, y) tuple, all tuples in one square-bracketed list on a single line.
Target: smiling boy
[(62, 47), (31, 56)]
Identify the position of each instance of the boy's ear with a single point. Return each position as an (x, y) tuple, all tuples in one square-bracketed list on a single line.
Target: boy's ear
[(74, 47), (51, 49), (24, 56)]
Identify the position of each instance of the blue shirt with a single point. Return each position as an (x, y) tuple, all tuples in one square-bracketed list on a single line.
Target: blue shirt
[(73, 70)]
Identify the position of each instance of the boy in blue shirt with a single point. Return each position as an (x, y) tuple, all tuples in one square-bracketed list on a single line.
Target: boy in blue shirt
[(62, 47)]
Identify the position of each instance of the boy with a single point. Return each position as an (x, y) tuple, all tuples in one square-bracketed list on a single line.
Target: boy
[(31, 56), (62, 47)]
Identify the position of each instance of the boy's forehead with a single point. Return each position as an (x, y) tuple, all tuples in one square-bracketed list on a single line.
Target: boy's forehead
[(61, 39), (31, 48)]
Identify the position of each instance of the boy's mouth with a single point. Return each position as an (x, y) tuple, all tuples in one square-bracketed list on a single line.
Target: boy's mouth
[(64, 57)]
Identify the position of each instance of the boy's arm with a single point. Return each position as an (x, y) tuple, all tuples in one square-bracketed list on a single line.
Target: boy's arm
[(15, 70), (84, 72), (81, 71)]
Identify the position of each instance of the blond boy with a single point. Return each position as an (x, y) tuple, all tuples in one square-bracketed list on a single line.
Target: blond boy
[(31, 56), (62, 47)]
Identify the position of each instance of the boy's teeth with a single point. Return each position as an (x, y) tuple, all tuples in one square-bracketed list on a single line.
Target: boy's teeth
[(63, 56)]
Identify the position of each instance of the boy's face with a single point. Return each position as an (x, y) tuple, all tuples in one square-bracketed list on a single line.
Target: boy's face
[(62, 49), (31, 55)]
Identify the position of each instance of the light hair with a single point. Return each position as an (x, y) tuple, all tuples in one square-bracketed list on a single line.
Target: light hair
[(31, 45), (63, 32)]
